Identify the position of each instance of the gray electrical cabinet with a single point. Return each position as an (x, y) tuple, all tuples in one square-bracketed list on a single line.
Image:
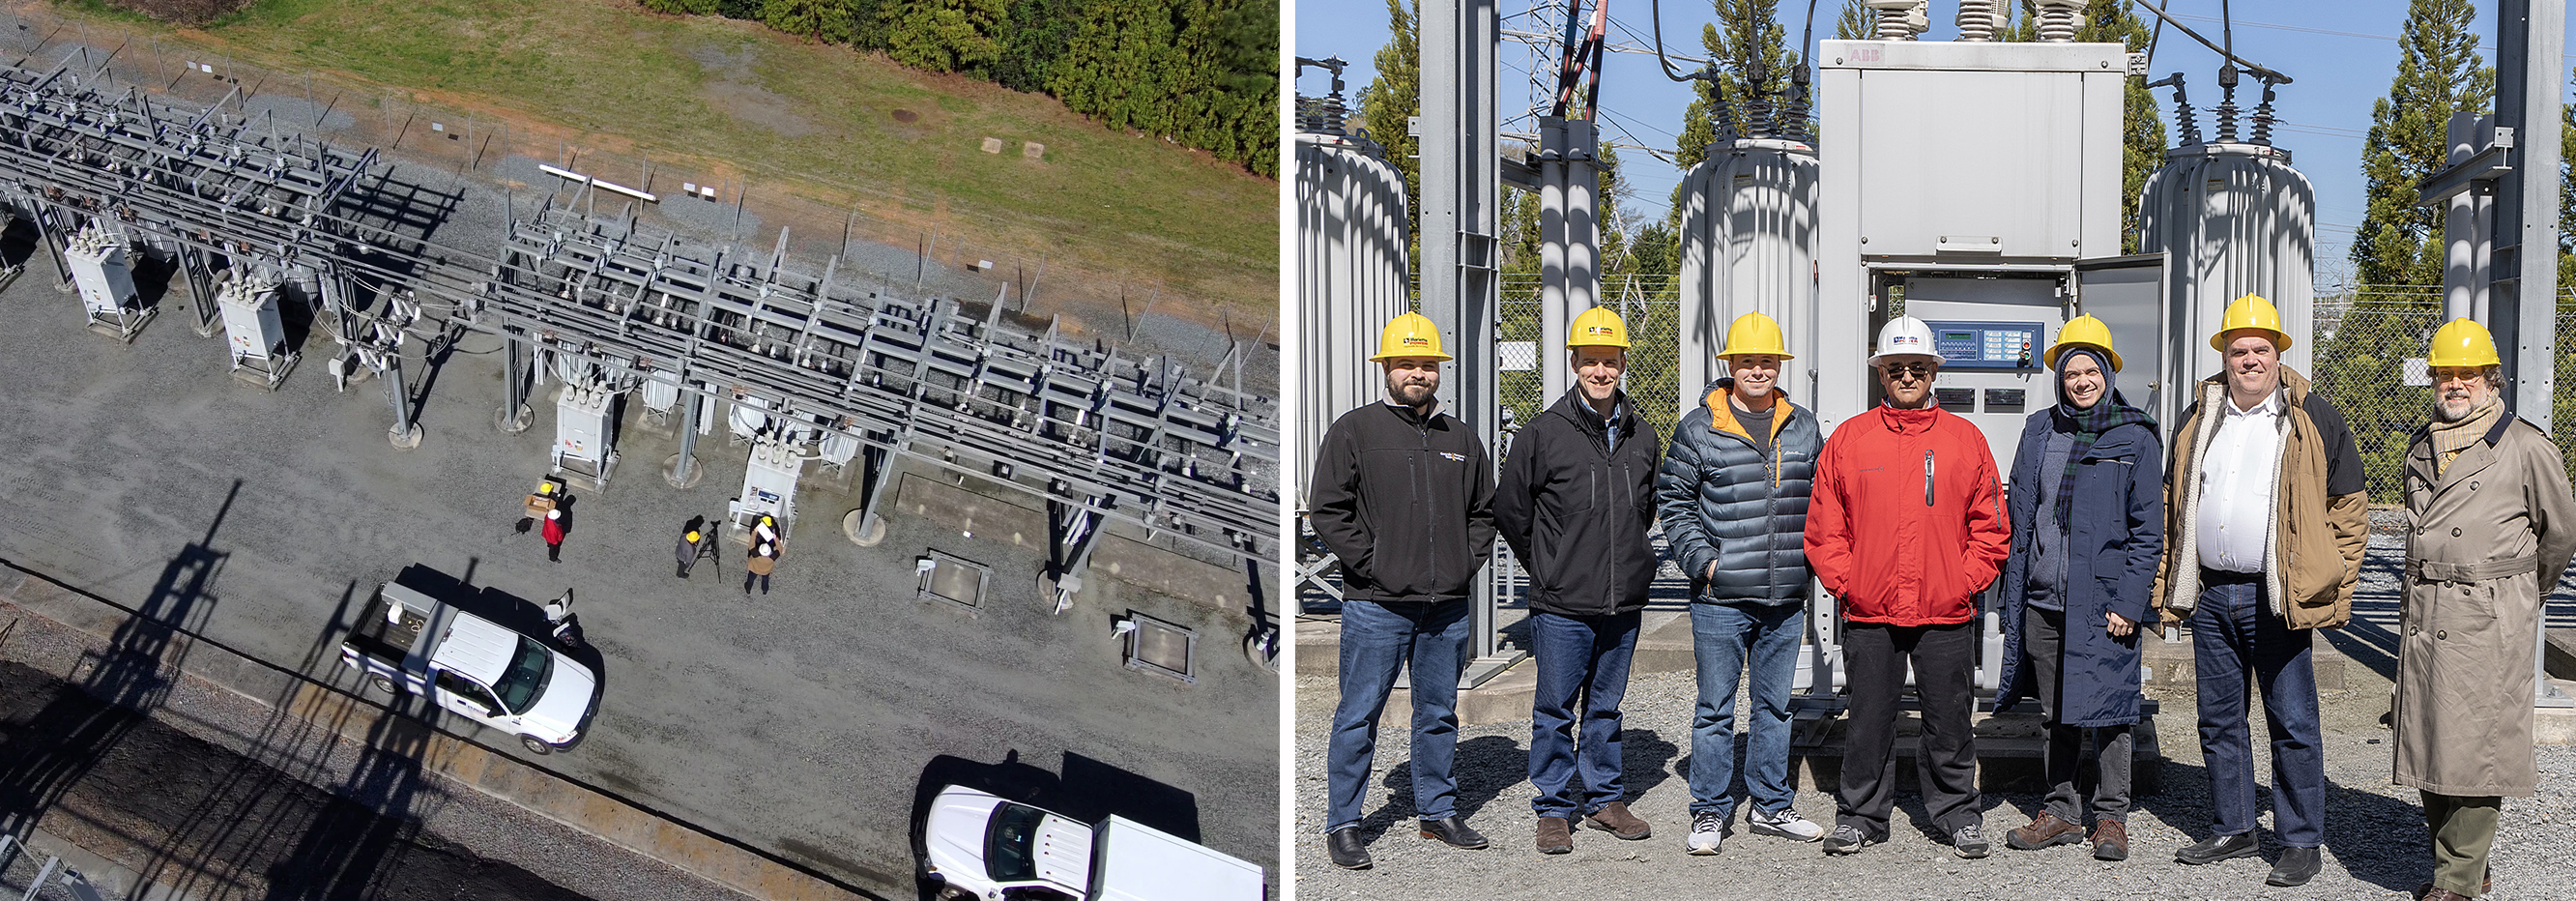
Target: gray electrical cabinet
[(1960, 183), (105, 282), (585, 438), (254, 332)]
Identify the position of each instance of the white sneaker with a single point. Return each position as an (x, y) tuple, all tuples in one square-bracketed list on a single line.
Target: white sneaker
[(1785, 824), (1707, 830)]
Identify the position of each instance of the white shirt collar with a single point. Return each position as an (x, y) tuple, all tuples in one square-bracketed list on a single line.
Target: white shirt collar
[(2270, 405)]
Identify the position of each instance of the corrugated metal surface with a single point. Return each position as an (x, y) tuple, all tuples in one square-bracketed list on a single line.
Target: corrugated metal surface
[(1748, 245), (2232, 220), (1351, 279)]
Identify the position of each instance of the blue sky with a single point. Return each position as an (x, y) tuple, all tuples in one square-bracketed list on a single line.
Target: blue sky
[(2340, 54)]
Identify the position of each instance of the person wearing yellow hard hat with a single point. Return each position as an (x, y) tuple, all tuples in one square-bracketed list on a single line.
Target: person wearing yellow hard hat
[(2494, 528), (1403, 495), (694, 544), (2088, 517), (1733, 494), (2266, 518), (1576, 505), (1905, 528)]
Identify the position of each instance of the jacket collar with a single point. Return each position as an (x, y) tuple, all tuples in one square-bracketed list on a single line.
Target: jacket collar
[(1721, 413), (1898, 419), (1572, 406), (2294, 389)]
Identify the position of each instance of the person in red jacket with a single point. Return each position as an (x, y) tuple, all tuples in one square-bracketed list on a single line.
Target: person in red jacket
[(1905, 527)]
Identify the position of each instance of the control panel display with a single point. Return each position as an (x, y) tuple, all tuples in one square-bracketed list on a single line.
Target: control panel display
[(1988, 345)]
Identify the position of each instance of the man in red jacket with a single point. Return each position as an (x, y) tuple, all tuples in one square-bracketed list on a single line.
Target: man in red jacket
[(1905, 526)]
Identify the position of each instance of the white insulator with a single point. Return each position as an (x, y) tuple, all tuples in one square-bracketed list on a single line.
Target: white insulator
[(1900, 20), (1978, 19)]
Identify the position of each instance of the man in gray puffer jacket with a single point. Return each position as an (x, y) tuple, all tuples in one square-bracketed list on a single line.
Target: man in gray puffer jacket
[(1733, 495)]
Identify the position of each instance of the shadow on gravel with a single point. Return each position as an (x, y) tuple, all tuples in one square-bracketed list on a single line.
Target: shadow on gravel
[(1088, 790), (132, 675), (2360, 825)]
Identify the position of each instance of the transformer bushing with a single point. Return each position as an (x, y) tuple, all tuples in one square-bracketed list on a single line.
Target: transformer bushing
[(1351, 260), (1748, 243), (1569, 268), (2231, 220)]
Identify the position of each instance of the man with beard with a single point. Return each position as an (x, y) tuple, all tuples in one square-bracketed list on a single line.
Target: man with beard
[(1403, 496), (2266, 518), (2494, 528), (1576, 503)]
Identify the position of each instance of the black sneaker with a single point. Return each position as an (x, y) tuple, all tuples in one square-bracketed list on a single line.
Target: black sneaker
[(1970, 842), (1847, 840)]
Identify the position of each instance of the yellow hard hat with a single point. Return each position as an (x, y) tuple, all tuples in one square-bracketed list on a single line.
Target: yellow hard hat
[(1754, 333), (693, 536), (2250, 311), (2083, 331), (2463, 342), (545, 487), (1597, 327), (1409, 335)]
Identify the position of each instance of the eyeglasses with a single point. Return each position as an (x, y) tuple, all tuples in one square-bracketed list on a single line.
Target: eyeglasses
[(1907, 370)]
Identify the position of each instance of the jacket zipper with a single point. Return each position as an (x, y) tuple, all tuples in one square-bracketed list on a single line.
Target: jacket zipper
[(1927, 477)]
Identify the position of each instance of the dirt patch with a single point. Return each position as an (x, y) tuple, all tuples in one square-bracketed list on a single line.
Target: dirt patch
[(737, 92), (182, 12), (906, 116)]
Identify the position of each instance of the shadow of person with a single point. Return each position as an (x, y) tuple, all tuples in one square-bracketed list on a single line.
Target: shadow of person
[(1483, 766)]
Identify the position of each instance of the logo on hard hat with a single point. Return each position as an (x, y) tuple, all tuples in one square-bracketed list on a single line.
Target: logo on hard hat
[(1904, 339), (1410, 341)]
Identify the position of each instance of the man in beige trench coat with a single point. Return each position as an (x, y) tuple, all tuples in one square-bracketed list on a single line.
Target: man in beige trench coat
[(2494, 526)]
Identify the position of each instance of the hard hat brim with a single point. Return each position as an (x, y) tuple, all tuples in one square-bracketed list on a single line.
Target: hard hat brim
[(2280, 339), (1382, 357), (1876, 359), (2052, 358), (1731, 353)]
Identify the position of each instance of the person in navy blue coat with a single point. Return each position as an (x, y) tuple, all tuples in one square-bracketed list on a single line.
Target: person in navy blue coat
[(2078, 591)]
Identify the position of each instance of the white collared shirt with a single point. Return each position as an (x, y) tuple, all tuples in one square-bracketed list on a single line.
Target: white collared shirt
[(2236, 486)]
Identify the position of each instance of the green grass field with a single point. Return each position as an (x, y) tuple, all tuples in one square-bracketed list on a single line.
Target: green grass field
[(726, 96)]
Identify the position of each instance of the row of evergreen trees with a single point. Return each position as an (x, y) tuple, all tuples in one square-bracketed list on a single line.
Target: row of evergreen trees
[(1202, 73)]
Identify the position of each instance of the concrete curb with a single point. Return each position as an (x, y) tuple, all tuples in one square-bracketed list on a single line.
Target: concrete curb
[(83, 626)]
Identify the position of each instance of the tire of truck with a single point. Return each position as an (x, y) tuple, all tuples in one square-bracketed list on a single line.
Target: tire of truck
[(385, 684), (536, 745)]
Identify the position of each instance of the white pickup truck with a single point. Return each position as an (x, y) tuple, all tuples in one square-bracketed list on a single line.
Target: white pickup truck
[(984, 847), (472, 667)]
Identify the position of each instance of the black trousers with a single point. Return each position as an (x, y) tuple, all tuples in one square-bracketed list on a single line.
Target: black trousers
[(1944, 660), (2043, 635)]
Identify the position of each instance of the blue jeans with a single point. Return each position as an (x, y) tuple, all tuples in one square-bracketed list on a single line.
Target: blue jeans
[(1726, 638), (1590, 655), (1377, 641), (2235, 639)]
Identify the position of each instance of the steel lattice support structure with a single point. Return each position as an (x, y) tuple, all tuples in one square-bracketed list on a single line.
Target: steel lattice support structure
[(1101, 439)]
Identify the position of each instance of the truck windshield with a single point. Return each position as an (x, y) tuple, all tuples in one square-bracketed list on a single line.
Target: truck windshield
[(526, 678), (1010, 842)]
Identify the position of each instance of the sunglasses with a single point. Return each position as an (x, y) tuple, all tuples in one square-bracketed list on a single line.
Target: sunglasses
[(1907, 370)]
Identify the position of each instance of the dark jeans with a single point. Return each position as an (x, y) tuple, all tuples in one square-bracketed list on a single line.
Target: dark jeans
[(1586, 656), (2235, 639), (1377, 641), (1946, 761), (1728, 639), (554, 552), (2043, 635), (749, 577)]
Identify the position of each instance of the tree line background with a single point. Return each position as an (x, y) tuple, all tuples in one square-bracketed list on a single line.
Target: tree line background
[(1200, 73)]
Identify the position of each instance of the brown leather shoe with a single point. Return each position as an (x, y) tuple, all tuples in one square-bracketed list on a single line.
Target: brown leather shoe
[(1555, 835), (1615, 819), (2044, 830), (2110, 840)]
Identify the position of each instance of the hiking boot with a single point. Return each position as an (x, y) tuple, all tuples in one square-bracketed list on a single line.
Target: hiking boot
[(1615, 819), (2110, 840), (2044, 830)]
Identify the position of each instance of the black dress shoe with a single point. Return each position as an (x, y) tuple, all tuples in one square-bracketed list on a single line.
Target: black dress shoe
[(1348, 852), (2219, 847), (1454, 831), (2297, 866)]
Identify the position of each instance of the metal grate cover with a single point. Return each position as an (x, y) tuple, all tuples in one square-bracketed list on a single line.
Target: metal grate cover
[(1162, 647)]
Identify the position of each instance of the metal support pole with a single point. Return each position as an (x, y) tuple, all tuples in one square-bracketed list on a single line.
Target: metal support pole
[(1569, 270), (404, 434), (514, 415), (682, 470), (1460, 218), (1072, 532), (873, 483), (201, 288), (2530, 36)]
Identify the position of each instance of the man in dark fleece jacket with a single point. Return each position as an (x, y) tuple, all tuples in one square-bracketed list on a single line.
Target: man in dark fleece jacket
[(1403, 495), (1576, 503)]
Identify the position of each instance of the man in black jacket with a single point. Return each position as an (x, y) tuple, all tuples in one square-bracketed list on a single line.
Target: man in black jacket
[(1403, 495), (1576, 503)]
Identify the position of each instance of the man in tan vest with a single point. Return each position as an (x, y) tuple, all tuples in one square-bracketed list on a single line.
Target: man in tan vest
[(2494, 526)]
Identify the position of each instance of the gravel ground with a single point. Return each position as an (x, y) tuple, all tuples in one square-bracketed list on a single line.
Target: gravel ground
[(2375, 844)]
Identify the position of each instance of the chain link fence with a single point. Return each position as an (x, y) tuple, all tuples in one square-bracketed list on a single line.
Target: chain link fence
[(1649, 304), (2364, 345)]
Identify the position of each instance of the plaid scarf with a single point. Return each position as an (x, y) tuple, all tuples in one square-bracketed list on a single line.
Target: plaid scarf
[(2450, 438), (2087, 425)]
